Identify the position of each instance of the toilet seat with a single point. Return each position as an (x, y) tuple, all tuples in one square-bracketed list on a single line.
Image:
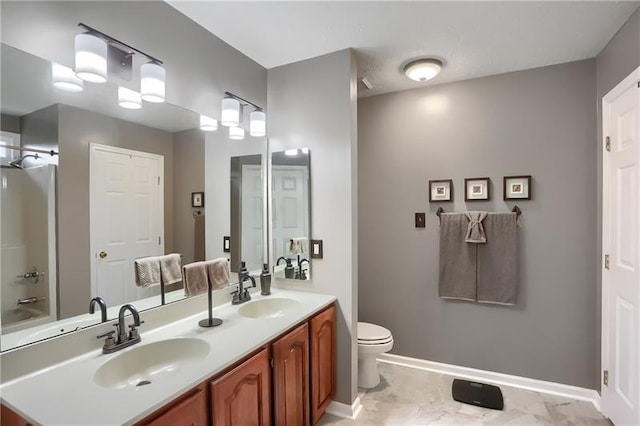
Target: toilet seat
[(371, 334)]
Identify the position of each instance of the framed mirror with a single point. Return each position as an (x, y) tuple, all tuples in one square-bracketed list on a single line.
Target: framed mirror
[(290, 216), (118, 188)]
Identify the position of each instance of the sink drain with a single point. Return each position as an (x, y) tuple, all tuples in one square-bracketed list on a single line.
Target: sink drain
[(143, 383)]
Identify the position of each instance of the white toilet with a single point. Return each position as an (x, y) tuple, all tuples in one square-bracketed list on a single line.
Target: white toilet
[(373, 340)]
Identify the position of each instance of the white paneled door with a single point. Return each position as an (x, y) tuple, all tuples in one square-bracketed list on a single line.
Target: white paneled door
[(127, 219), (621, 256)]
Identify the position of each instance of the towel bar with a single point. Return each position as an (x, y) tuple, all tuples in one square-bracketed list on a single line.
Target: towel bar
[(515, 210)]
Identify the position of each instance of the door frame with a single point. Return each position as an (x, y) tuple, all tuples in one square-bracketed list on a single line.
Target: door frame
[(631, 80), (93, 148)]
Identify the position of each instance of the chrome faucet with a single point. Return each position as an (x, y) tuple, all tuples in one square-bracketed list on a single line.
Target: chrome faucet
[(103, 307), (242, 295), (124, 340)]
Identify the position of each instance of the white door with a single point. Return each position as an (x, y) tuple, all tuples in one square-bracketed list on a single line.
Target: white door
[(290, 207), (127, 219), (251, 216), (621, 234)]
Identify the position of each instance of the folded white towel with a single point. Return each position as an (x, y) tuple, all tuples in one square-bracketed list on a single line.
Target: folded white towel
[(147, 270), (171, 267), (298, 245), (195, 278)]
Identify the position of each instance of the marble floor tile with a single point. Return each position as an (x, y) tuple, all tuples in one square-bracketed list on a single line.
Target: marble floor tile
[(411, 397)]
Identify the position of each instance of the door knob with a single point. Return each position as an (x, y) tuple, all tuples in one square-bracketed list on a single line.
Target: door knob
[(102, 254)]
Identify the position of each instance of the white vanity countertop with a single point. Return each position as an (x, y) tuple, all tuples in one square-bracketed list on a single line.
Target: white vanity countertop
[(67, 394)]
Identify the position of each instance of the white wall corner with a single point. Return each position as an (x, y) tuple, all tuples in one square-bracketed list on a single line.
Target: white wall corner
[(345, 411)]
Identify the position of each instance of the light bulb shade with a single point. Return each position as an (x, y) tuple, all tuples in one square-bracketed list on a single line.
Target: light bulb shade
[(91, 58), (423, 69), (257, 123), (65, 79), (129, 99), (208, 124), (230, 116), (152, 82), (236, 133)]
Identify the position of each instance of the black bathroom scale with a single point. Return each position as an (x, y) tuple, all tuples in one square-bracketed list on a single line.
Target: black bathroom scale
[(479, 394)]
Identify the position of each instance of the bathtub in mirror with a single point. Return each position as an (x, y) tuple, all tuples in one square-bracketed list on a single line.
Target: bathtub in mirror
[(120, 189), (290, 214)]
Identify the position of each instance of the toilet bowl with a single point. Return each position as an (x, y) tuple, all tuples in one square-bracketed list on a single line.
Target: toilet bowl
[(373, 340)]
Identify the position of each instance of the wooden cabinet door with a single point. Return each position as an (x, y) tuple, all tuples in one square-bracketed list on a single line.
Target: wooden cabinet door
[(291, 378), (242, 397), (10, 418), (190, 411), (323, 361)]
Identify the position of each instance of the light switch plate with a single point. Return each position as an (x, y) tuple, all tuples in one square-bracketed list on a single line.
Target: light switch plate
[(226, 244), (316, 249), (421, 220)]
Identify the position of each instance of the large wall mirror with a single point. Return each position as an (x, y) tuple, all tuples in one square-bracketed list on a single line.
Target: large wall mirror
[(119, 187), (291, 218)]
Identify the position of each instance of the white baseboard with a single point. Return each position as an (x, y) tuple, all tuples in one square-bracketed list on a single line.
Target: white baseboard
[(346, 411), (526, 383)]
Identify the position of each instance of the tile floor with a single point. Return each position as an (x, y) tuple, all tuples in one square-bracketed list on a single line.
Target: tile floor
[(406, 396)]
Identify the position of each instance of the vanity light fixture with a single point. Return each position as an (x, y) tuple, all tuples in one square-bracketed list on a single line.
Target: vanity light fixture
[(65, 79), (291, 152), (129, 99), (232, 109), (423, 69), (236, 133), (97, 52), (208, 124), (258, 123), (152, 82), (91, 58)]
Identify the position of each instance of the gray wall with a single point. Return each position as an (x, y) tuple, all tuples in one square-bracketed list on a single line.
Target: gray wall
[(188, 177), (9, 123), (537, 122), (40, 131), (616, 61), (312, 104), (77, 129)]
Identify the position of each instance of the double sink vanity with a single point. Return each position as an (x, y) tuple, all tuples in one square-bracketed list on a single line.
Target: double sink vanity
[(272, 361)]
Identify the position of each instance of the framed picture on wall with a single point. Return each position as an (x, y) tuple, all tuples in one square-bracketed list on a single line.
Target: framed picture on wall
[(477, 189), (197, 199), (517, 188), (440, 190)]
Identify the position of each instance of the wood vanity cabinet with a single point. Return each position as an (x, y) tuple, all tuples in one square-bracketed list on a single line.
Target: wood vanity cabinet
[(243, 395), (291, 378), (323, 361), (190, 410)]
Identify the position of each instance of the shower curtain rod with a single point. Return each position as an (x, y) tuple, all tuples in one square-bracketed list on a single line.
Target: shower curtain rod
[(39, 151)]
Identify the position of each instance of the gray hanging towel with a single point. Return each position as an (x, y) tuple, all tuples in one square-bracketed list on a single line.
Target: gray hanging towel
[(498, 260), (457, 278), (475, 230)]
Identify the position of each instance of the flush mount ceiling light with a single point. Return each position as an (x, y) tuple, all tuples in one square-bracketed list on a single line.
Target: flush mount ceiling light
[(65, 79), (129, 99), (423, 69), (208, 124), (236, 133), (97, 52), (91, 58)]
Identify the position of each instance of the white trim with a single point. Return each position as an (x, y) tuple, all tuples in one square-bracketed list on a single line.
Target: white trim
[(526, 383), (345, 411)]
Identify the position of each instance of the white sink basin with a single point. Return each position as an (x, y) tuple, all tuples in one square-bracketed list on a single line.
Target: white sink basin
[(145, 364), (268, 308)]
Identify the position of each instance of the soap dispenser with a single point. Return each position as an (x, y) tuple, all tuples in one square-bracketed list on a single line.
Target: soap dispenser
[(289, 269), (265, 280)]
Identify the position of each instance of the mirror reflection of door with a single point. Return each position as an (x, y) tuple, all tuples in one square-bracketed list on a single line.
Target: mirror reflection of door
[(290, 203), (127, 217)]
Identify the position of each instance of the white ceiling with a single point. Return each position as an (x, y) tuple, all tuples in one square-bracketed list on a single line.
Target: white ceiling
[(473, 38)]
